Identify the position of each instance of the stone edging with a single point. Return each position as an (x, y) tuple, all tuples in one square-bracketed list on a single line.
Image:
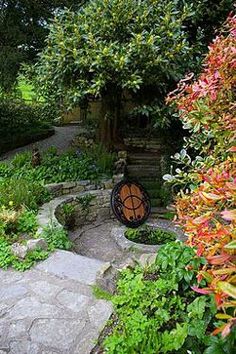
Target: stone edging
[(127, 245), (99, 208), (66, 188), (69, 192)]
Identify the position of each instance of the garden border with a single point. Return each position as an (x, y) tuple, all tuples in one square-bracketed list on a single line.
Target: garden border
[(118, 234)]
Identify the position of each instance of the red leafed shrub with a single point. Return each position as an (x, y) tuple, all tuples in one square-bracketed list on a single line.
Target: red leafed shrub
[(208, 212)]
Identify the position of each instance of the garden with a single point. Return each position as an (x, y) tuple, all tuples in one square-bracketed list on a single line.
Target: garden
[(162, 79)]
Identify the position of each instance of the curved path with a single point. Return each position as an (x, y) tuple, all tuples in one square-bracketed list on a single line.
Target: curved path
[(61, 140)]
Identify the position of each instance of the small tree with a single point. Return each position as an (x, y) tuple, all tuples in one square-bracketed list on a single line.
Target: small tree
[(112, 48)]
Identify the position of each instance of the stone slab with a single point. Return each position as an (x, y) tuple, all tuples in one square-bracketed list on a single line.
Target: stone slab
[(65, 264)]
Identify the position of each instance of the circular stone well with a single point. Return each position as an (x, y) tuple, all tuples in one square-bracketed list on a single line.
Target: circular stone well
[(118, 234)]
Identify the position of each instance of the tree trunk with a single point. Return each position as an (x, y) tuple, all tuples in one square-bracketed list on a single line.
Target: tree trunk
[(108, 131)]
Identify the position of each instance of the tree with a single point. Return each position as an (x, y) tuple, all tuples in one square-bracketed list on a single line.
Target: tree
[(113, 48), (109, 49), (23, 28)]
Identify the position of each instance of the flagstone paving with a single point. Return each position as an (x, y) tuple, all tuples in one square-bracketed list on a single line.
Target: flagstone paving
[(51, 309)]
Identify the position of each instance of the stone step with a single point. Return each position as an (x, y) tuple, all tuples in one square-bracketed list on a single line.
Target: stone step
[(68, 265), (140, 162), (143, 156), (156, 211), (146, 168)]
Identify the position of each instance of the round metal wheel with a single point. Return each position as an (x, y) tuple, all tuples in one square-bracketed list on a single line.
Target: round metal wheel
[(130, 203)]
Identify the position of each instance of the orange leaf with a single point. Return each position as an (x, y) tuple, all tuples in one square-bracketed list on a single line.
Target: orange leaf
[(217, 260), (229, 214)]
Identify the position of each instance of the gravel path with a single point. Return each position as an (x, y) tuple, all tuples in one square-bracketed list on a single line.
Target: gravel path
[(61, 140)]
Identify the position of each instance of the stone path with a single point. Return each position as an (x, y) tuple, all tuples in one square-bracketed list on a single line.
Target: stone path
[(51, 309), (95, 241), (61, 140)]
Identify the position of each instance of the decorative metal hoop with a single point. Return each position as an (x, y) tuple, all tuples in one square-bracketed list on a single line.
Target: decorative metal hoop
[(130, 203)]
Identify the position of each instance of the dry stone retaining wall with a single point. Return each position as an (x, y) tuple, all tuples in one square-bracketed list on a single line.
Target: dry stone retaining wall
[(72, 193)]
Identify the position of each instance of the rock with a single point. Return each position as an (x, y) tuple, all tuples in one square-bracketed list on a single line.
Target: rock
[(84, 183), (73, 301), (69, 185), (100, 313), (19, 250), (129, 263), (54, 187), (118, 178), (58, 333), (37, 243), (90, 187), (106, 278), (71, 266), (108, 184), (147, 259)]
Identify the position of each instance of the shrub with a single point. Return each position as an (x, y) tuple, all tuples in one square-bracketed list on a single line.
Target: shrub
[(207, 212), (156, 310), (56, 237), (16, 115), (21, 192), (53, 169)]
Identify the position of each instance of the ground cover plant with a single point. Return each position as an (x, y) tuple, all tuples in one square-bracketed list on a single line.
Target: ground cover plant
[(206, 204), (157, 310), (69, 166), (56, 238), (150, 235)]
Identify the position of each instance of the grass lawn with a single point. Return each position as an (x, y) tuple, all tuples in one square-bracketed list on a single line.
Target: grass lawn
[(27, 91)]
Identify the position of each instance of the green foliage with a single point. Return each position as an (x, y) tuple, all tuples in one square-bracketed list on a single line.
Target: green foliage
[(150, 235), (68, 209), (16, 115), (20, 192), (56, 237), (157, 310), (69, 166), (101, 294), (21, 123), (23, 28), (7, 259), (15, 225), (220, 345), (85, 201), (101, 51), (27, 222), (104, 159)]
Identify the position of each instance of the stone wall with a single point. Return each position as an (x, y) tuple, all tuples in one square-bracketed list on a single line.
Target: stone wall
[(89, 202), (65, 188), (97, 208)]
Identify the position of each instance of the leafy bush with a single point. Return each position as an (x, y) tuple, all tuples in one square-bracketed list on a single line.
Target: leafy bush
[(69, 166), (20, 192), (150, 235), (22, 124), (15, 223), (16, 115), (56, 237), (207, 211), (104, 159), (156, 309)]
